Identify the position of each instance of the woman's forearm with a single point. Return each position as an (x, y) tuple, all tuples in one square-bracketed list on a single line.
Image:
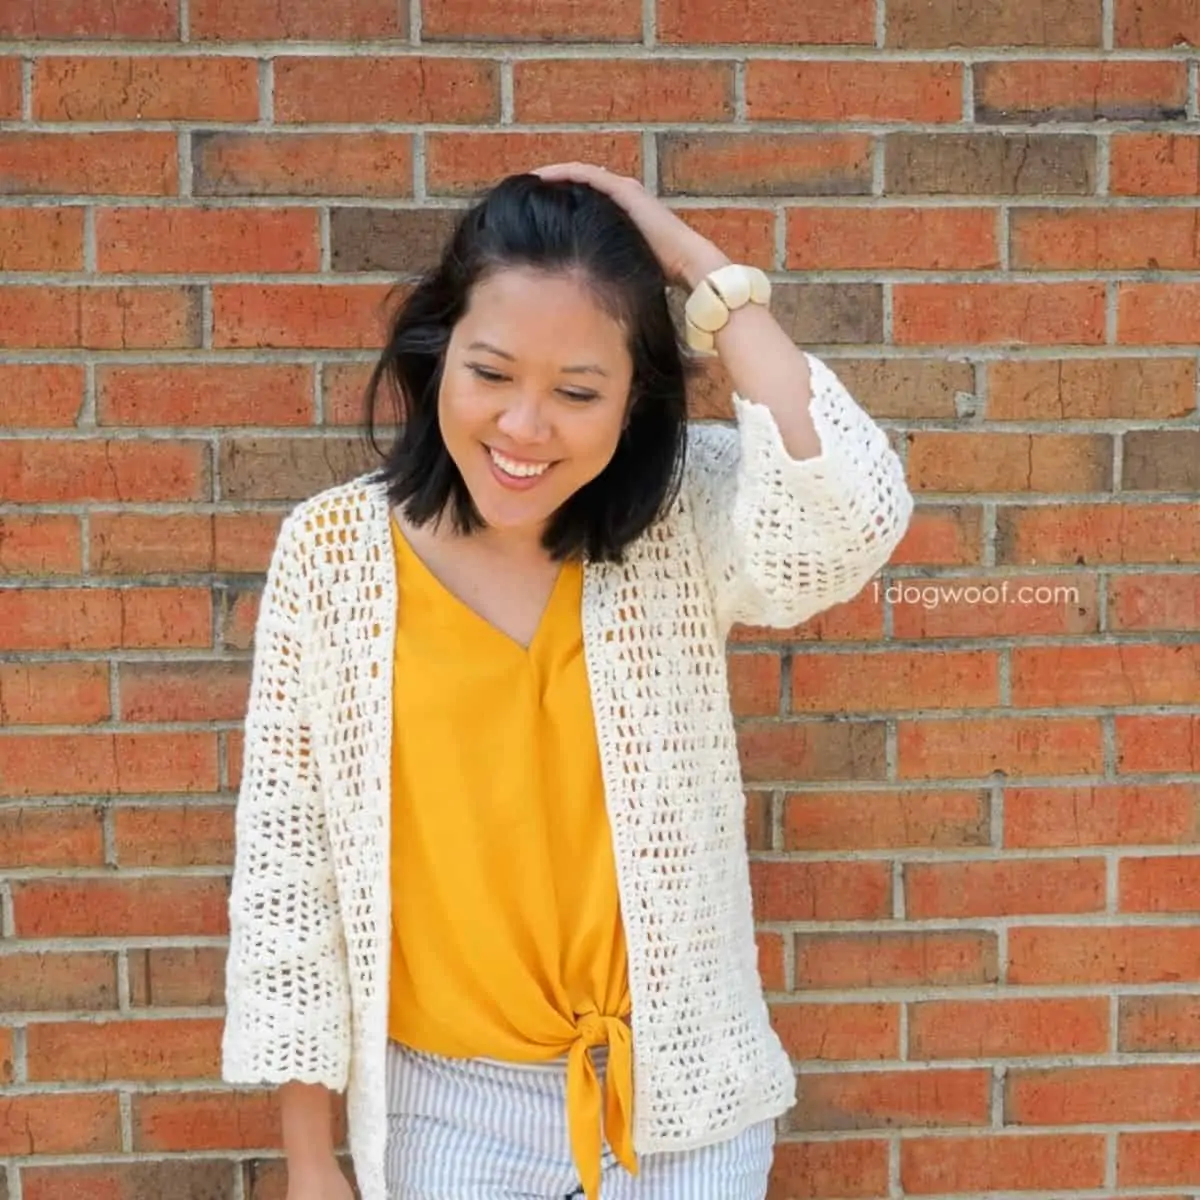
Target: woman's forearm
[(307, 1117)]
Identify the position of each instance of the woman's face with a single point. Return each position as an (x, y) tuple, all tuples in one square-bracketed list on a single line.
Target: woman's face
[(534, 395)]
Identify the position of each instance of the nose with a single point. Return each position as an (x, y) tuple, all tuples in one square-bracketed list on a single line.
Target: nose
[(523, 420)]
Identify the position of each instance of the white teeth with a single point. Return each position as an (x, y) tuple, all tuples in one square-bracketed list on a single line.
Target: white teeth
[(521, 470)]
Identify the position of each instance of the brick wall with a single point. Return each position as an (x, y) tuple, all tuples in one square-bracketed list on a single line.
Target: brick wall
[(974, 823)]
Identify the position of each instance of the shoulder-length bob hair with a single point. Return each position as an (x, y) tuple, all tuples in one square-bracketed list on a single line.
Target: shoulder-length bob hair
[(553, 226)]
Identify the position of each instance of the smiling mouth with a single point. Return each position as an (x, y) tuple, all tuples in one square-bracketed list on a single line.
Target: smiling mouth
[(518, 468)]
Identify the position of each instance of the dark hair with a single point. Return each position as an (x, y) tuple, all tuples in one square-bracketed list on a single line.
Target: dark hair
[(555, 226)]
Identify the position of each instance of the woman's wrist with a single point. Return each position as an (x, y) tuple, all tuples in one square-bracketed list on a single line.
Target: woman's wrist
[(700, 263)]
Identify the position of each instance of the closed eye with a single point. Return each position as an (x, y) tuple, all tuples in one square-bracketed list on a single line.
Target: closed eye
[(490, 376), (486, 373)]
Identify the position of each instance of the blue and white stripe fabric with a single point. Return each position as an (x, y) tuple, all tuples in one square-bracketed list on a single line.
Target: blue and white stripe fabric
[(479, 1129)]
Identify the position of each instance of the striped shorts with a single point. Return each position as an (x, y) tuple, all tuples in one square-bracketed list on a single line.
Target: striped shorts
[(484, 1130)]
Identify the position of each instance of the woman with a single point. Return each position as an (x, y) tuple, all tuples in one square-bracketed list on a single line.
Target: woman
[(491, 874)]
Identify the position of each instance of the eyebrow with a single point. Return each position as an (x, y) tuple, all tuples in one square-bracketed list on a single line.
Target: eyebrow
[(582, 369)]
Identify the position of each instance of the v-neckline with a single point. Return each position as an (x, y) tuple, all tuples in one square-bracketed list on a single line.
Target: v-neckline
[(473, 614)]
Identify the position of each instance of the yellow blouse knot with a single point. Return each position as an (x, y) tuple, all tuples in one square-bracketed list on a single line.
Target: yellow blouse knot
[(583, 1098), (507, 936)]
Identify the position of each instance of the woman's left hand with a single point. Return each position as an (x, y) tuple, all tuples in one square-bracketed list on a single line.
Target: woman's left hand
[(685, 256)]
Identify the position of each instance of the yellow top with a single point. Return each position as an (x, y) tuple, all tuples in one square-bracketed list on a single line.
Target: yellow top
[(507, 939)]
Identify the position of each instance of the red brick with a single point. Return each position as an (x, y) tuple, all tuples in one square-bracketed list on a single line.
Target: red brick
[(1159, 1024), (462, 164), (1168, 884), (1080, 91), (99, 318), (343, 386), (235, 752), (206, 395), (178, 1121), (831, 1032), (824, 1170), (1001, 1163), (556, 90), (145, 89), (946, 536), (239, 616), (39, 472), (302, 164), (1131, 673), (1154, 164), (868, 960), (760, 21), (152, 907), (141, 543), (1094, 534), (532, 20), (834, 90), (758, 821), (1158, 743), (1101, 815), (754, 684), (746, 235), (1157, 24), (142, 1050), (10, 89), (1104, 240), (926, 239), (992, 606), (1007, 1028), (1083, 955), (178, 240), (997, 889), (1034, 314), (408, 89), (193, 691), (775, 750), (865, 683), (1009, 462), (42, 545), (45, 396), (83, 764), (191, 977), (885, 820), (244, 541), (40, 239), (1146, 602), (881, 1099), (1089, 389), (821, 891), (297, 20), (1158, 313), (334, 316), (97, 163), (770, 960), (933, 24), (131, 1180), (1015, 745), (764, 164), (61, 1123), (53, 693), (185, 836), (51, 837), (1159, 1158), (48, 981), (1096, 1095), (149, 20), (101, 619)]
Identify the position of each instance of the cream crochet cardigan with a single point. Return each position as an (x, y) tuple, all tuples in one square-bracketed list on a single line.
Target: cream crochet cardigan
[(754, 537)]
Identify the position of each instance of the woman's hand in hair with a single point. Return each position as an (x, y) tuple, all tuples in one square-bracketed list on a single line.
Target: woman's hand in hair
[(686, 256)]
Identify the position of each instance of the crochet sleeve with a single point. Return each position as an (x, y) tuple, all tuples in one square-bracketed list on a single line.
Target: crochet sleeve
[(785, 538), (287, 987)]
